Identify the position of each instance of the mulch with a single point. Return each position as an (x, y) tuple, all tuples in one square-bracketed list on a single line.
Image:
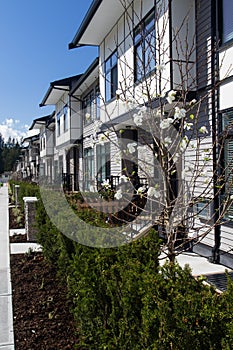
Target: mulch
[(41, 310)]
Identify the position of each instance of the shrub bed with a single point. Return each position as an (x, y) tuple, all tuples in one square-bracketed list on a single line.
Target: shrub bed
[(122, 298)]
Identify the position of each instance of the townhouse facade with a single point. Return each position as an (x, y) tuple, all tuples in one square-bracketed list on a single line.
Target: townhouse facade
[(148, 49)]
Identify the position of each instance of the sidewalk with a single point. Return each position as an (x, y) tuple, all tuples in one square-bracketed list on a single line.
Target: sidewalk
[(6, 314)]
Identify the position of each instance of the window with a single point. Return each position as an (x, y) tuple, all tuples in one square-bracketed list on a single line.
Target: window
[(111, 77), (58, 124), (103, 162), (88, 168), (228, 158), (65, 113), (144, 47), (226, 23), (91, 105)]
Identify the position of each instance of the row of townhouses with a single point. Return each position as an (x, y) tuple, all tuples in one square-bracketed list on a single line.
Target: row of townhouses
[(157, 53)]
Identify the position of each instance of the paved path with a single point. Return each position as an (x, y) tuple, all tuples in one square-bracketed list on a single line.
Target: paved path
[(6, 314)]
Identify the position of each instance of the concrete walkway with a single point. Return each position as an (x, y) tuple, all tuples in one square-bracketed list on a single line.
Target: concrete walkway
[(6, 314)]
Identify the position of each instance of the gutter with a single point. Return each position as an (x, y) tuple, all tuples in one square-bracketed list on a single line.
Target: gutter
[(87, 19)]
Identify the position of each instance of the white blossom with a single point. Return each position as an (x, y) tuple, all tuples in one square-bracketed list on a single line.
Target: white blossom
[(203, 129), (153, 192), (175, 157), (188, 126), (102, 139), (192, 102), (118, 194), (171, 96), (180, 113), (106, 184), (184, 143), (165, 123), (96, 127), (131, 147), (87, 116), (160, 67), (131, 103), (141, 190), (167, 141), (142, 110), (137, 119), (193, 144)]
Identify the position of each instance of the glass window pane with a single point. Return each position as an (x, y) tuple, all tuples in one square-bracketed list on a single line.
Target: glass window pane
[(114, 59), (139, 62), (108, 88), (107, 65), (114, 80), (227, 20)]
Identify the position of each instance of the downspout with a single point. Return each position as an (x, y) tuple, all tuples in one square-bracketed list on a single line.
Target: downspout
[(215, 257), (171, 43)]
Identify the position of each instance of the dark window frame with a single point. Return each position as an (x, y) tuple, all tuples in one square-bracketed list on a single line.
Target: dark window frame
[(225, 24), (88, 157), (103, 163), (143, 33), (227, 132), (111, 76), (65, 114), (91, 105)]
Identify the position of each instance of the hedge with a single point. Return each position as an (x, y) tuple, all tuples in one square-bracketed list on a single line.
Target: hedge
[(123, 299)]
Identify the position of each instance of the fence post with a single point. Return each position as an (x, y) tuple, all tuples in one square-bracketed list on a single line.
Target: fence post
[(30, 212)]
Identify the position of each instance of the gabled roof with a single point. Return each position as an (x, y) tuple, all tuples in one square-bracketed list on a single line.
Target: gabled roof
[(57, 89), (87, 77), (97, 23), (32, 138), (38, 122)]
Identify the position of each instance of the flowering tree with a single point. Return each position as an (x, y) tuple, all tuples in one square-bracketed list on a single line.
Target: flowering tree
[(177, 149)]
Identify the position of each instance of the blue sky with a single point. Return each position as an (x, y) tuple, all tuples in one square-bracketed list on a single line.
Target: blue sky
[(34, 38)]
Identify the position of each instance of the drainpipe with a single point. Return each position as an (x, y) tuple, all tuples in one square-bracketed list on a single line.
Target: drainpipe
[(215, 257), (171, 43)]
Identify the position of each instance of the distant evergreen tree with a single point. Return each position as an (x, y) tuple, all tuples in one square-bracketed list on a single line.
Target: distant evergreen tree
[(9, 153)]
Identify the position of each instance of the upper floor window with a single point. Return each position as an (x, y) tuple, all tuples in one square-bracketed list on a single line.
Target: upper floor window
[(227, 119), (111, 77), (91, 105), (144, 47), (58, 123), (226, 22), (65, 113)]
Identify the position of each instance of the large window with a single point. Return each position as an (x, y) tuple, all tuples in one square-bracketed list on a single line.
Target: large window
[(228, 158), (88, 168), (103, 162), (58, 123), (226, 22), (65, 113), (111, 77), (144, 47), (91, 105)]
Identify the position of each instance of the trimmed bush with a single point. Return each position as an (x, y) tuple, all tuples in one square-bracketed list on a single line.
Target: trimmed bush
[(123, 299)]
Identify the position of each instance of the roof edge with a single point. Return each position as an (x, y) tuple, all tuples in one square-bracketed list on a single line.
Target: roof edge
[(88, 17), (92, 66)]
